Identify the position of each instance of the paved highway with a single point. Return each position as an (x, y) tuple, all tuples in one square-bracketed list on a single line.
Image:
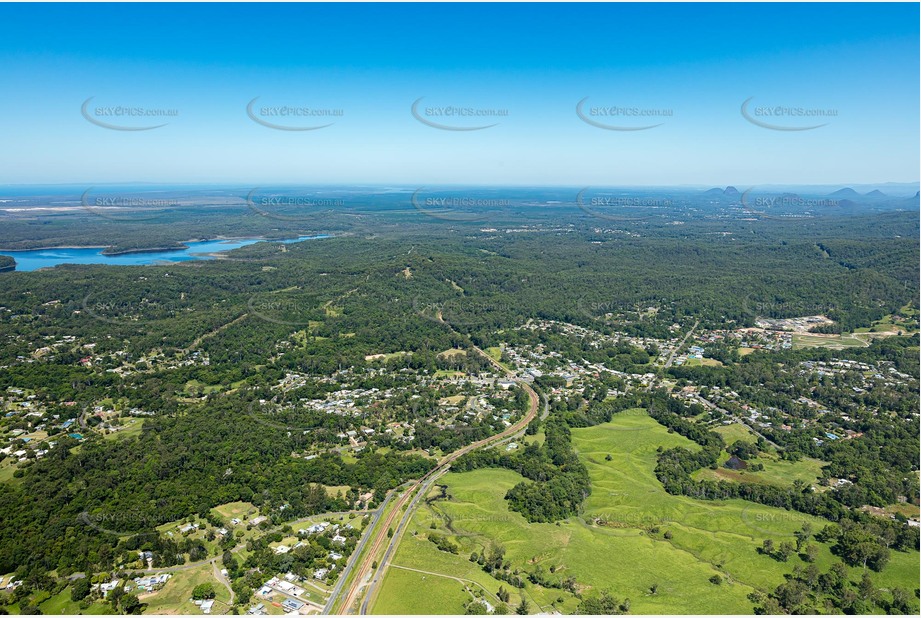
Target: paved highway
[(364, 569)]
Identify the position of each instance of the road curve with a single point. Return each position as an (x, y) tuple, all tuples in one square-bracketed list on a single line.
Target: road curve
[(365, 567), (380, 535)]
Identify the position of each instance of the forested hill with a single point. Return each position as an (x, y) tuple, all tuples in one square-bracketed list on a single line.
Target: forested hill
[(323, 306)]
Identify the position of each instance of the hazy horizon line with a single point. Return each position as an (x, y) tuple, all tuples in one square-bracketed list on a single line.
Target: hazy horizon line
[(292, 183)]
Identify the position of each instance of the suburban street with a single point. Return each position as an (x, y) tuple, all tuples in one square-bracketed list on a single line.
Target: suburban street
[(671, 357), (713, 406)]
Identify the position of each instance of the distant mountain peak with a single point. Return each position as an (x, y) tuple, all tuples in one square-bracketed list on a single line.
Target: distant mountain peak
[(845, 192), (718, 191), (876, 193)]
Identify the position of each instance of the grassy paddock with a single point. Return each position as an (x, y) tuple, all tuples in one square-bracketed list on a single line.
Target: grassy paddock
[(734, 432), (176, 595), (237, 510), (776, 471), (61, 604), (131, 428), (618, 542)]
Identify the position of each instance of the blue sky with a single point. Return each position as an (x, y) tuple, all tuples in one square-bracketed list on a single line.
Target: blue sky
[(534, 62)]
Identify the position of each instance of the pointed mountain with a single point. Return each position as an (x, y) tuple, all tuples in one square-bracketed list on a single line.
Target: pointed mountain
[(845, 192)]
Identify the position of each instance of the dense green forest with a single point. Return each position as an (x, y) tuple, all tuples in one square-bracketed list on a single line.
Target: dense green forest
[(322, 307), (180, 465)]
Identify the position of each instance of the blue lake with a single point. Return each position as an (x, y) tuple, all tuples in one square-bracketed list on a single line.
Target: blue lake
[(197, 250)]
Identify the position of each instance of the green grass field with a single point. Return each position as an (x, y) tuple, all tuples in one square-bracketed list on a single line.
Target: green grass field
[(722, 534), (199, 388), (440, 592), (495, 353), (236, 510), (905, 322), (61, 604), (453, 352), (176, 595), (625, 555), (478, 512), (706, 362), (776, 471), (734, 432), (7, 468), (333, 490), (131, 428)]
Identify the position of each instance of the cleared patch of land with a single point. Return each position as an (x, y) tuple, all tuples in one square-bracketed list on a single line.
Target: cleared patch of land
[(835, 342), (734, 432), (61, 604), (7, 469), (235, 510), (494, 352), (722, 534), (776, 471), (453, 399), (447, 373), (453, 352), (385, 357), (132, 427), (333, 490), (176, 595), (705, 362)]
